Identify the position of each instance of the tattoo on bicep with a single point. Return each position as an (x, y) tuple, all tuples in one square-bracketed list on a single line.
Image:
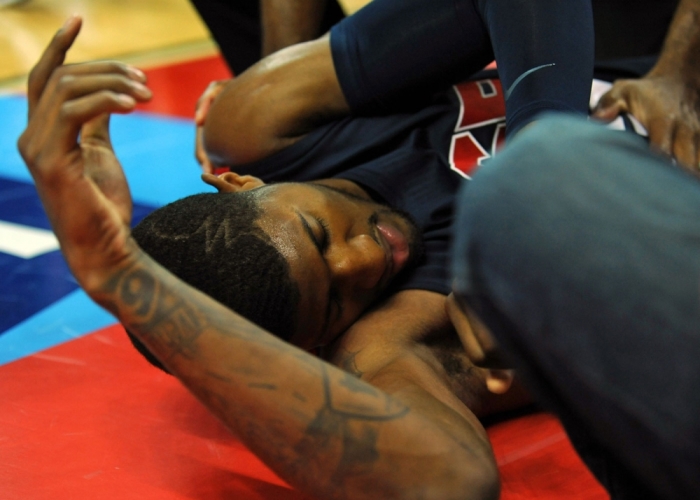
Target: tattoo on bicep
[(358, 425), (268, 387)]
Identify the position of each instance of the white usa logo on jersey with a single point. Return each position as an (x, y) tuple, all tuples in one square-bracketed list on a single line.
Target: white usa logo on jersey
[(481, 124)]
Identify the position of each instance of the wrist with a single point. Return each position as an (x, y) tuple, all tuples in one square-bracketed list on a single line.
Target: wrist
[(680, 56), (95, 271)]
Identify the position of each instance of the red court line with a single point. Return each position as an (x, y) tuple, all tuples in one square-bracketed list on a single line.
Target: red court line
[(177, 87), (91, 419), (536, 461)]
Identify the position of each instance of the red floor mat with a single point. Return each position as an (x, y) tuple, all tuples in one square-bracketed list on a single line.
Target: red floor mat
[(91, 419), (177, 87)]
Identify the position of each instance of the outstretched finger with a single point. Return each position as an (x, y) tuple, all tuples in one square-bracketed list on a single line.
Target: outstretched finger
[(71, 87), (684, 146), (52, 58), (661, 134), (95, 68), (75, 113)]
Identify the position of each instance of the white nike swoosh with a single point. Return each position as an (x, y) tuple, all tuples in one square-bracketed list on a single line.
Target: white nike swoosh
[(519, 79)]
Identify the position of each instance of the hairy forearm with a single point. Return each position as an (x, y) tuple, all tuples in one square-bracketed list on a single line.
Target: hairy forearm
[(681, 51), (287, 22), (321, 429)]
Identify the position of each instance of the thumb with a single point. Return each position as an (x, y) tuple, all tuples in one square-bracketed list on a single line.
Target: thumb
[(608, 111), (610, 105), (97, 129)]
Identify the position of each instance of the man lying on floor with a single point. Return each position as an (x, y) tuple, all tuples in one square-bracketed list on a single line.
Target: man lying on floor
[(375, 157), (387, 156), (400, 423)]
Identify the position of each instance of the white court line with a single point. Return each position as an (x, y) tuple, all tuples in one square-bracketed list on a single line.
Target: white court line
[(24, 241)]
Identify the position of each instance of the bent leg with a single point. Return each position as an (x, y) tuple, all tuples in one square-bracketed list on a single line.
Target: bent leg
[(394, 54), (580, 250)]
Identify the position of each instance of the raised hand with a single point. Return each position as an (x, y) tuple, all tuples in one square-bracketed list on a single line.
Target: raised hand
[(668, 109), (67, 149), (200, 116)]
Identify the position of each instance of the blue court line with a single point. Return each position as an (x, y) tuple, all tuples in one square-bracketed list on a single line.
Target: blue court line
[(71, 317), (157, 154)]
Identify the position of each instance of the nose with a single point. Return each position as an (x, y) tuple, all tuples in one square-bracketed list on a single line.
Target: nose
[(359, 264)]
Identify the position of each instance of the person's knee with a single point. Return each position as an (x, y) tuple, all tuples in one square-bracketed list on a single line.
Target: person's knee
[(552, 158), (516, 199)]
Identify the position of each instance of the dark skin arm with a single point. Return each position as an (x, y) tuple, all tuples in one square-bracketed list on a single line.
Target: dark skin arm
[(284, 23), (288, 22), (273, 104), (667, 100), (320, 428)]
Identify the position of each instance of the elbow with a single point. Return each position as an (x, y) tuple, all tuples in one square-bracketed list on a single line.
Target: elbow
[(242, 127), (456, 478), (488, 485), (475, 481), (468, 475), (226, 135)]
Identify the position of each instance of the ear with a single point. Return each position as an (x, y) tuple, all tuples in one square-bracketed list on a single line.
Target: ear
[(499, 381), (231, 182)]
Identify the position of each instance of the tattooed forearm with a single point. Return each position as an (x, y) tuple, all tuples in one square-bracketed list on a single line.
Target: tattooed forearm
[(165, 311), (137, 297)]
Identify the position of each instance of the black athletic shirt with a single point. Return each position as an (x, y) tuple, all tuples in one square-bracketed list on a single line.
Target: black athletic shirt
[(413, 154), (413, 161)]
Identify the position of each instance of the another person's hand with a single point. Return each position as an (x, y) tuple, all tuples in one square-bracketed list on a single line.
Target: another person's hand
[(666, 107), (200, 117), (479, 344), (67, 148)]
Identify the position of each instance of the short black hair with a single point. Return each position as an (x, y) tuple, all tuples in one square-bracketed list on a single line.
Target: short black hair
[(212, 242)]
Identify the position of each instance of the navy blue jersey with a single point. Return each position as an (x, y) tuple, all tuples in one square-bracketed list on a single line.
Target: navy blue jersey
[(411, 161)]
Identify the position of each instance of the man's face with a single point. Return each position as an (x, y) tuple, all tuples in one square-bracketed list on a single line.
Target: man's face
[(343, 251)]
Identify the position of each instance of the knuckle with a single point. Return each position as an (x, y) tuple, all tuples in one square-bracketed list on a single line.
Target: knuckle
[(64, 112), (28, 150), (107, 96), (33, 76), (116, 67), (64, 82), (23, 145)]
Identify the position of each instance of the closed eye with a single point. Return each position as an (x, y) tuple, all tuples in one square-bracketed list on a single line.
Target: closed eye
[(333, 295), (322, 243), (325, 240)]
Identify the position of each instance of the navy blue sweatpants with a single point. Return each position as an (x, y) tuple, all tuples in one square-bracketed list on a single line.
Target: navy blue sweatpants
[(580, 250)]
